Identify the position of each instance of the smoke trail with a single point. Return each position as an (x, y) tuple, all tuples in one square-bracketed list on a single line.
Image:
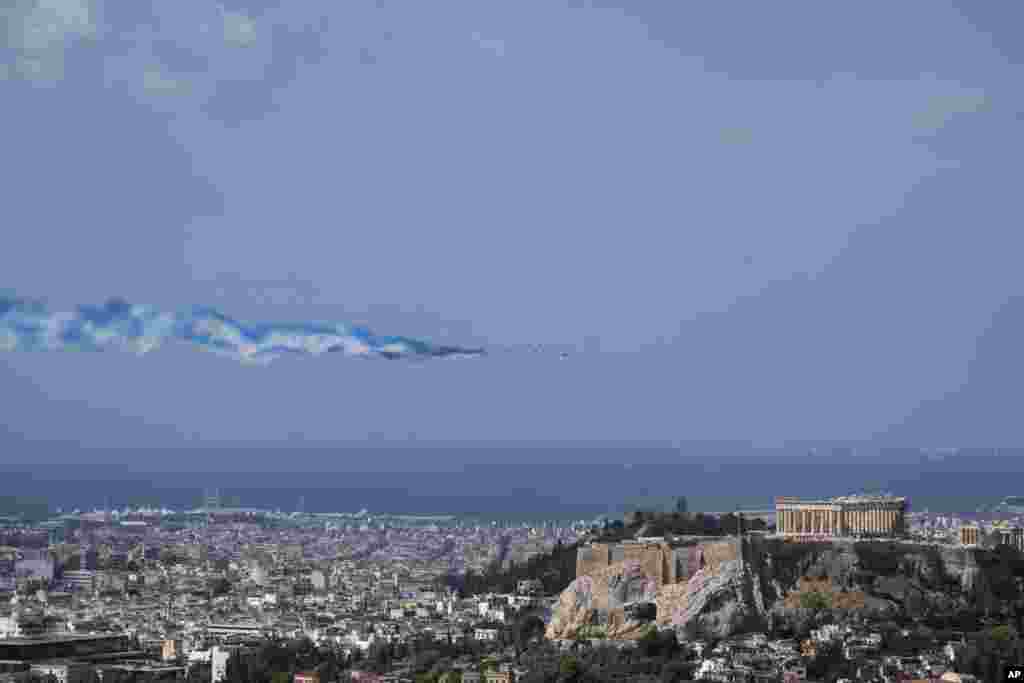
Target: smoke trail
[(29, 326)]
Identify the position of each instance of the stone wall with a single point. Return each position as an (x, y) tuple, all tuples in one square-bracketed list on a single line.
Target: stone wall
[(653, 561), (592, 558), (667, 564), (611, 579), (718, 552), (709, 587)]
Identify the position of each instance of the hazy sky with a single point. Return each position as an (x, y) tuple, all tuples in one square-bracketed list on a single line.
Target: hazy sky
[(764, 221)]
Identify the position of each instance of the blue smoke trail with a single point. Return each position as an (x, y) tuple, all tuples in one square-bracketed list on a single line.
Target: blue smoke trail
[(118, 325)]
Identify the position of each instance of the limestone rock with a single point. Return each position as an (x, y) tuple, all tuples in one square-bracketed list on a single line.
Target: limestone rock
[(710, 588), (601, 599)]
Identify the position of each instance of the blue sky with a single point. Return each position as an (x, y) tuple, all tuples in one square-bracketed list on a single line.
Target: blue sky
[(755, 221)]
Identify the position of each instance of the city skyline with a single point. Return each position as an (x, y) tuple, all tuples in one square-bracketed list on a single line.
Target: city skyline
[(511, 342)]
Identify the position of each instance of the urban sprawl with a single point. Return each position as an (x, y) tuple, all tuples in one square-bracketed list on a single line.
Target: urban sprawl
[(853, 588)]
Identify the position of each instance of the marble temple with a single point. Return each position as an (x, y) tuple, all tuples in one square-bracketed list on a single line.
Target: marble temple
[(860, 515)]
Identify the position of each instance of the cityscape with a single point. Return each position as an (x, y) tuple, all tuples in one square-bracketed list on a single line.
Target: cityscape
[(207, 594), (563, 341)]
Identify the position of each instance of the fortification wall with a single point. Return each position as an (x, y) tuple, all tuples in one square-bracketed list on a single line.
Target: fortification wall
[(653, 561), (665, 563), (678, 578), (718, 552), (592, 559), (717, 591)]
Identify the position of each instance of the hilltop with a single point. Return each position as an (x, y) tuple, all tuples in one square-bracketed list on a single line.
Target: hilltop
[(716, 587)]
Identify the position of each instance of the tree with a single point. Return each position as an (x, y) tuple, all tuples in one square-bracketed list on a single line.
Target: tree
[(329, 669), (569, 668), (815, 600), (527, 629), (676, 672), (199, 673), (425, 660), (655, 644), (379, 656), (1001, 633), (827, 664), (237, 668)]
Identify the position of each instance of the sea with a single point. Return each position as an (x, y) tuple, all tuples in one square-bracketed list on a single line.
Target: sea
[(512, 483)]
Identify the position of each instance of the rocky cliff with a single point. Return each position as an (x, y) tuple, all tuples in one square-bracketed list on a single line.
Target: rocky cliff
[(716, 587)]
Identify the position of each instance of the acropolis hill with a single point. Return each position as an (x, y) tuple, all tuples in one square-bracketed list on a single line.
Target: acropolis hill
[(723, 585)]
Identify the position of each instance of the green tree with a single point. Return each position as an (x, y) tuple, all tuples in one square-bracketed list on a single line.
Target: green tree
[(569, 669), (815, 600), (1001, 633)]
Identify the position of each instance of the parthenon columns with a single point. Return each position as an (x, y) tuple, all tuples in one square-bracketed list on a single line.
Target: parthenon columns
[(840, 516)]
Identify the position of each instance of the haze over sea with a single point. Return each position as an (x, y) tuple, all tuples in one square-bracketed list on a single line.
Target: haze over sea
[(514, 482)]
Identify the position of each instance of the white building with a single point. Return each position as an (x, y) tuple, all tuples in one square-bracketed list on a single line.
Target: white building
[(489, 634), (712, 669), (8, 626), (826, 633), (219, 664), (361, 643)]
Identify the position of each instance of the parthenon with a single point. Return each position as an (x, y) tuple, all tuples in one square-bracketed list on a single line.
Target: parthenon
[(843, 516)]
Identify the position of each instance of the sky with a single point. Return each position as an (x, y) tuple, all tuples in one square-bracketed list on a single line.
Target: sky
[(761, 222)]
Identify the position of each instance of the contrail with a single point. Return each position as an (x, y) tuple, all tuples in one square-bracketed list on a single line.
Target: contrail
[(118, 325)]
